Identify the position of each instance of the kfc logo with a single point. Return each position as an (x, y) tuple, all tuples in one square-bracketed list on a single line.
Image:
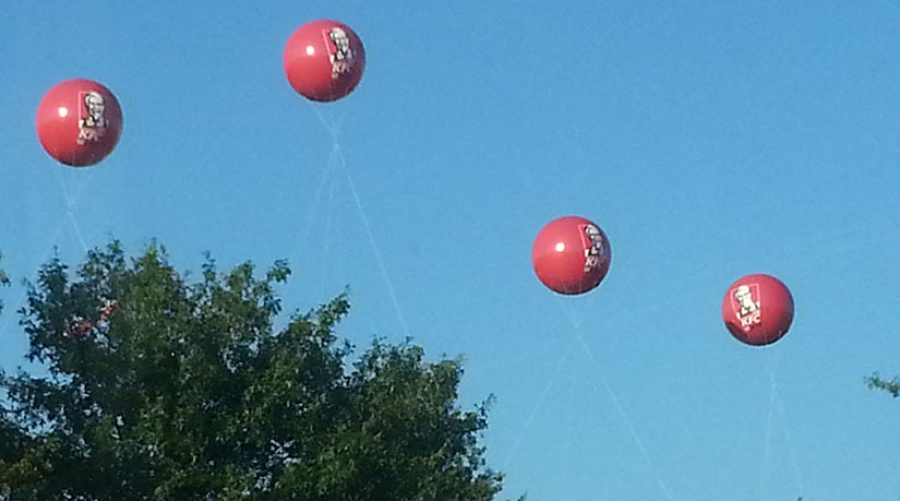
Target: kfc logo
[(595, 253), (91, 120), (339, 51), (745, 301)]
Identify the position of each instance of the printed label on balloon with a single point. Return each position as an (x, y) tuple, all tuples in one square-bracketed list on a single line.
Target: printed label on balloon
[(745, 300), (594, 246), (91, 119), (339, 51)]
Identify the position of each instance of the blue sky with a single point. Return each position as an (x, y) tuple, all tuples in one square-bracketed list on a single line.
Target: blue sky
[(709, 140)]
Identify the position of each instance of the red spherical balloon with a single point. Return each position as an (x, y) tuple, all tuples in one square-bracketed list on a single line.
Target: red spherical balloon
[(758, 309), (324, 60), (571, 255), (79, 122)]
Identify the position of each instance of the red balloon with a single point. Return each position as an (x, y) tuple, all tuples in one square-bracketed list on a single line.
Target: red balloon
[(79, 122), (571, 255), (758, 309), (324, 60)]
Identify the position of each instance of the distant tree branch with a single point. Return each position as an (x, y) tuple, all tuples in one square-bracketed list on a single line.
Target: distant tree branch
[(4, 280), (876, 382)]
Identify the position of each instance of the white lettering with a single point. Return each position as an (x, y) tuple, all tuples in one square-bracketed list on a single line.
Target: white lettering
[(89, 134), (751, 319)]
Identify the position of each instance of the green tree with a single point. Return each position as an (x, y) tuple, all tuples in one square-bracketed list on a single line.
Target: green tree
[(876, 382), (162, 389)]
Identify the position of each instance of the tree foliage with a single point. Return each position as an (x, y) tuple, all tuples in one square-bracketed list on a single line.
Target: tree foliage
[(162, 389), (892, 386)]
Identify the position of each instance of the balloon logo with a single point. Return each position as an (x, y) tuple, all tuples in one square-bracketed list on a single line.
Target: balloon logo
[(324, 60), (758, 309), (571, 255), (79, 122)]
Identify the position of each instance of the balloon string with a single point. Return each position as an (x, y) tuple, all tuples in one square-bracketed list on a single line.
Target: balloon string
[(767, 446), (576, 325), (71, 198), (334, 129), (384, 274), (24, 294), (57, 174), (71, 217), (787, 437), (77, 195), (334, 126), (776, 406), (327, 175), (328, 217), (539, 403)]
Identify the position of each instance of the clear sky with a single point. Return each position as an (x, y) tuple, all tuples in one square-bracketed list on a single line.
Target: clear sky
[(709, 140)]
